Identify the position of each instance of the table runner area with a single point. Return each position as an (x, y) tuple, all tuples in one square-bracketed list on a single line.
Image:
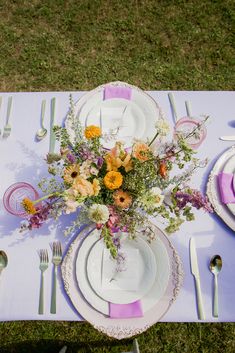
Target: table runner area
[(21, 159)]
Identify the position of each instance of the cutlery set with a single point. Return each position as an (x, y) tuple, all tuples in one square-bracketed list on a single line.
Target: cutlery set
[(42, 131), (7, 127), (43, 266), (215, 268)]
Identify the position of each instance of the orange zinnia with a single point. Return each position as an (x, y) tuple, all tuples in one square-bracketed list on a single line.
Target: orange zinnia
[(141, 151), (113, 180), (92, 131), (122, 199)]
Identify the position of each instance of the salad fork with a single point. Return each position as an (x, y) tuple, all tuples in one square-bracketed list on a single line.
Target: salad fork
[(56, 260), (7, 127), (43, 254)]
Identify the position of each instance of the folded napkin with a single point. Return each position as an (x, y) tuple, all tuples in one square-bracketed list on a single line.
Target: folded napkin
[(117, 92), (124, 311), (225, 183)]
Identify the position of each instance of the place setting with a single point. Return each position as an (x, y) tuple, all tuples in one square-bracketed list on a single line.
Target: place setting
[(124, 176)]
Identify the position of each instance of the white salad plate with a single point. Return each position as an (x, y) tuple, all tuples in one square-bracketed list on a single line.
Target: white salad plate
[(138, 120), (119, 119), (148, 300), (120, 328), (131, 283), (213, 189)]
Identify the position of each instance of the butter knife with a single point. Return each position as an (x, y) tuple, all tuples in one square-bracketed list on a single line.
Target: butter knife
[(52, 134), (195, 273), (227, 138)]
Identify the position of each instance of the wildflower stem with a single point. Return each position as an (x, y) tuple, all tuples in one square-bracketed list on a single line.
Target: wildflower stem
[(154, 138), (46, 197)]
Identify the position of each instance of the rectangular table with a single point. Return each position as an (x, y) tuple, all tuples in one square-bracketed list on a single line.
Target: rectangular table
[(21, 159)]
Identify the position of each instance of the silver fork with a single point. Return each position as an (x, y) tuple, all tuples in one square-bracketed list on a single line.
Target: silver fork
[(7, 127), (43, 254), (56, 260)]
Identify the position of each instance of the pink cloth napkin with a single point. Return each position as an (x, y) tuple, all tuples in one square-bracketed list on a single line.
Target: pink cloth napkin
[(117, 92), (125, 311), (225, 183)]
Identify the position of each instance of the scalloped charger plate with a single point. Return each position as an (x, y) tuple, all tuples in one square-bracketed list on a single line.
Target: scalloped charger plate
[(120, 328)]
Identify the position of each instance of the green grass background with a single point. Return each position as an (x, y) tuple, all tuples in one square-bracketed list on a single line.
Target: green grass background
[(155, 44)]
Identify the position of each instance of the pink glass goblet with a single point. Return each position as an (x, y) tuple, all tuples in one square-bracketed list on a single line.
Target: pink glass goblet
[(15, 194), (187, 125)]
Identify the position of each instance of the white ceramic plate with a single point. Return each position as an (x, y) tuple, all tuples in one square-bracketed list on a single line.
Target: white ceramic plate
[(144, 113), (148, 300), (230, 168), (119, 119), (144, 271), (121, 328), (213, 189)]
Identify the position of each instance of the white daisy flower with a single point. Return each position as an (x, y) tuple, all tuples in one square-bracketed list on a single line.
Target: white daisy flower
[(158, 197), (98, 213), (162, 127)]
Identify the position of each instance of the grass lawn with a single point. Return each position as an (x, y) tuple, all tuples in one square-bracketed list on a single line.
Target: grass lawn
[(72, 45)]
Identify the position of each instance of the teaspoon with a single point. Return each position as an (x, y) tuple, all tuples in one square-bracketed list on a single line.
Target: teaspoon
[(41, 133), (3, 260), (215, 267)]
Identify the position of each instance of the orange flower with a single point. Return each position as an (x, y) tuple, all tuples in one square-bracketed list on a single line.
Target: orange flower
[(117, 158), (83, 186), (28, 206), (141, 151), (113, 180), (122, 199), (71, 173), (92, 131)]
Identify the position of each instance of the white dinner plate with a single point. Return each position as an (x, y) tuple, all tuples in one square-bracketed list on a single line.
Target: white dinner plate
[(230, 169), (121, 328), (143, 112), (148, 300), (144, 271), (213, 190)]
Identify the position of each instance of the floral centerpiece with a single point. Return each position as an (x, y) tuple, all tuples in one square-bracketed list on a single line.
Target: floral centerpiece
[(118, 189)]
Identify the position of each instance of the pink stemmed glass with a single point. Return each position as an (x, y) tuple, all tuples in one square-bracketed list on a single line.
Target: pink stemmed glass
[(186, 125), (15, 194)]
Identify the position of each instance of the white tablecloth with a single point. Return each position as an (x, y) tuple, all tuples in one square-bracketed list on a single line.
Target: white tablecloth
[(21, 159)]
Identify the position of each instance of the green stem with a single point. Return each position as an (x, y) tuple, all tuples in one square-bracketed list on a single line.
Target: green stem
[(154, 138), (46, 197)]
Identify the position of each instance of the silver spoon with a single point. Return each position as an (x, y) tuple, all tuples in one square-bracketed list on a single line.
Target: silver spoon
[(215, 267), (3, 260), (41, 133)]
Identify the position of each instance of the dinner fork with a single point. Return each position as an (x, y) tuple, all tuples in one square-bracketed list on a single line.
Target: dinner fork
[(7, 127), (43, 254), (56, 260)]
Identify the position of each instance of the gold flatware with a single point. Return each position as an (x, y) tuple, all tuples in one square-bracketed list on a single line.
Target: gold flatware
[(3, 260)]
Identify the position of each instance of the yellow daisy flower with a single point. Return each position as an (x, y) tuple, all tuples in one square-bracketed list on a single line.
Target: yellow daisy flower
[(92, 131), (113, 180), (71, 173)]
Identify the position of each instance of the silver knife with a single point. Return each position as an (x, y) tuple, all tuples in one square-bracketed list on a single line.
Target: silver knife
[(195, 272), (52, 134), (227, 138)]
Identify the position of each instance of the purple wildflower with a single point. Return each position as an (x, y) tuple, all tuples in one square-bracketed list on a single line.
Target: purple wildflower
[(195, 198), (71, 158), (85, 153), (99, 162), (36, 220)]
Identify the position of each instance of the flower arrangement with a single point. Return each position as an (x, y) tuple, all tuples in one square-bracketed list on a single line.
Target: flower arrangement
[(118, 189)]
